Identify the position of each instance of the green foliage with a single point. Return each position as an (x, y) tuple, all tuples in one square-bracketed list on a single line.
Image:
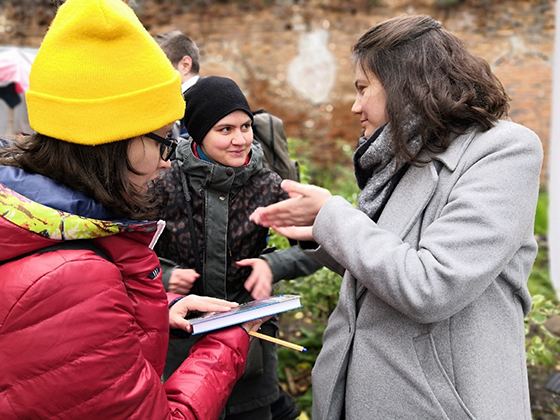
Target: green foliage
[(539, 279), (541, 215), (542, 347), (319, 296)]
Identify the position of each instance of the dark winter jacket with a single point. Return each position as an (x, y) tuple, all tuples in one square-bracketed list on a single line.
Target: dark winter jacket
[(222, 199)]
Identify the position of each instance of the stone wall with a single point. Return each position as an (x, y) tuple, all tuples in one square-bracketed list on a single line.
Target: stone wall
[(292, 57)]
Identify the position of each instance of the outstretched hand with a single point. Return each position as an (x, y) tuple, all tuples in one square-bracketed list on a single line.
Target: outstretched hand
[(299, 210), (179, 311)]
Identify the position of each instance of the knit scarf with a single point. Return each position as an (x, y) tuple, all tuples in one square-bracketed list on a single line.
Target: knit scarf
[(376, 166)]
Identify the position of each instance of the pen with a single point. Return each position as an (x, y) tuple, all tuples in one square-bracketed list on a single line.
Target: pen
[(278, 341)]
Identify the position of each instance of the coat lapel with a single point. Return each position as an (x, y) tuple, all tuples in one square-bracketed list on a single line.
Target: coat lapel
[(407, 203), (415, 190), (409, 199)]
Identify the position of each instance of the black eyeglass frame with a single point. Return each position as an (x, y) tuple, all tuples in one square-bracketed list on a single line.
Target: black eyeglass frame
[(167, 144)]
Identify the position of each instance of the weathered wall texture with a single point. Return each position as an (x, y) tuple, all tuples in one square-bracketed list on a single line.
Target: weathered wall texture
[(292, 57)]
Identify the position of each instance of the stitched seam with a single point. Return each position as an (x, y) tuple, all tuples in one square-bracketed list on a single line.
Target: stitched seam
[(29, 378), (41, 278), (58, 313)]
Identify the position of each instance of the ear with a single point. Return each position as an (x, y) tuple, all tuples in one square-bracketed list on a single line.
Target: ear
[(185, 65)]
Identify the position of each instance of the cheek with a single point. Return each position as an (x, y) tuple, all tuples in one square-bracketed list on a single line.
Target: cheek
[(136, 153)]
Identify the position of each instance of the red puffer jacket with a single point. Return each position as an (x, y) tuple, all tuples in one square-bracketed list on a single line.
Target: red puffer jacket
[(85, 338)]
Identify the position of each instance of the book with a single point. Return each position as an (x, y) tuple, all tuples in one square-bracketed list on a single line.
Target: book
[(209, 321)]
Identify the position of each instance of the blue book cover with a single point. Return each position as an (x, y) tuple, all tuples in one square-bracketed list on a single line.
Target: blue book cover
[(248, 311)]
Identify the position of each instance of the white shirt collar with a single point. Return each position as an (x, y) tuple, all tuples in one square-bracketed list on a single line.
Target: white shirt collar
[(188, 83)]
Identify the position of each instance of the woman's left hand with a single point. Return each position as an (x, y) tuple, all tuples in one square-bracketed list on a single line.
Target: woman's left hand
[(179, 310)]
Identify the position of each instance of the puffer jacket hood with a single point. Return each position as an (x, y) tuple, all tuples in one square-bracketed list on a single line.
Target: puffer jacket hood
[(45, 210)]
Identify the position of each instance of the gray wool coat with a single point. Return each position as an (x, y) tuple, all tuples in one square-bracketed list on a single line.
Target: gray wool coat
[(441, 279)]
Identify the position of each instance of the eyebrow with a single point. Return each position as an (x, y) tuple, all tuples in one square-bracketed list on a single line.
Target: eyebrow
[(358, 82), (232, 125)]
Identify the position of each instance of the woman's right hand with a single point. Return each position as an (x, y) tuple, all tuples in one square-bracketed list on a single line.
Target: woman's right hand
[(190, 303), (299, 210)]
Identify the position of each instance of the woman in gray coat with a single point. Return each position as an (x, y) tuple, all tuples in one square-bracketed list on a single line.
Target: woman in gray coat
[(436, 257)]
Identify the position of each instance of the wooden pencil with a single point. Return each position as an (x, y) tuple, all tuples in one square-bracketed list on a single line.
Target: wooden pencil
[(278, 341)]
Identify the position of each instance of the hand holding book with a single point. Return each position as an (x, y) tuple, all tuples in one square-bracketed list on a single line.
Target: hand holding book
[(244, 312), (194, 303)]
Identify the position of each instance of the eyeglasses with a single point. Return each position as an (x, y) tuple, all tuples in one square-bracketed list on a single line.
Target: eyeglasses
[(167, 145)]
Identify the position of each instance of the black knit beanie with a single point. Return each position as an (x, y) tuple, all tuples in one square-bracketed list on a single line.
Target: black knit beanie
[(208, 101)]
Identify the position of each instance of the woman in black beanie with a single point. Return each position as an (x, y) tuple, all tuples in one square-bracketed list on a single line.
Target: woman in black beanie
[(209, 192)]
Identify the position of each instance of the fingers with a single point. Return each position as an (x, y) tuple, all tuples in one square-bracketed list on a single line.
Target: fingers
[(207, 304), (279, 214), (255, 324), (300, 233), (248, 262), (252, 325), (292, 187), (250, 282), (260, 288), (180, 289)]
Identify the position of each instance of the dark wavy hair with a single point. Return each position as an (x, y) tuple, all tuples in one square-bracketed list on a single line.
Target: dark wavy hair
[(427, 73), (100, 171)]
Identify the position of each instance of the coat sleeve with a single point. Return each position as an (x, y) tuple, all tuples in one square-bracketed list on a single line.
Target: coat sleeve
[(291, 263), (167, 267), (204, 381), (487, 218)]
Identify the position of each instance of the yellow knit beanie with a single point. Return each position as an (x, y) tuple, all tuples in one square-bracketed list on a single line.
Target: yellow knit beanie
[(100, 77)]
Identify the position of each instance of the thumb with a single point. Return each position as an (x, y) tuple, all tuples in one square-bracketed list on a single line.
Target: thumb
[(245, 263), (182, 324)]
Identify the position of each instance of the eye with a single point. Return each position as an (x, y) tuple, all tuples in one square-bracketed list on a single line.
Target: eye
[(246, 127), (225, 130)]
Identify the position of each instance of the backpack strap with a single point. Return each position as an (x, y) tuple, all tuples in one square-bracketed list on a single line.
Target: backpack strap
[(74, 244), (185, 185), (275, 156)]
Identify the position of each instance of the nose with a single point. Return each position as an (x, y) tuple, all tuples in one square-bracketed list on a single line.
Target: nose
[(357, 106), (164, 164), (238, 137)]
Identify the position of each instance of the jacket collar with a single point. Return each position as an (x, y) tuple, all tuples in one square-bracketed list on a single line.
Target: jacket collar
[(203, 175), (452, 155)]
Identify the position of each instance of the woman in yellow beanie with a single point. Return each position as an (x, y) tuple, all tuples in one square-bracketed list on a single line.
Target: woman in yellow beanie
[(84, 320)]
